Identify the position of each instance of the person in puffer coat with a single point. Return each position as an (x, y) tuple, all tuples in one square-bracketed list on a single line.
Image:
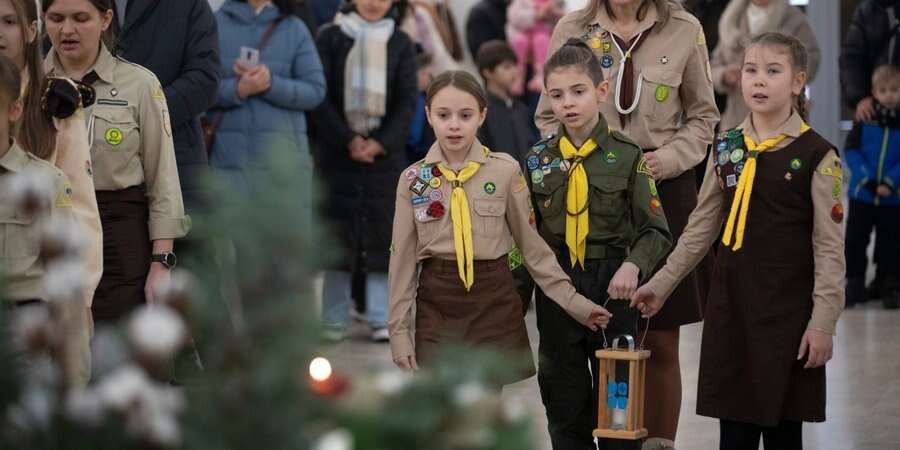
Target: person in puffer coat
[(872, 154)]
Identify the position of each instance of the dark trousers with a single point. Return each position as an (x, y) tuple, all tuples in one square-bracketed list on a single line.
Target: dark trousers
[(862, 218), (568, 389), (745, 436), (126, 253)]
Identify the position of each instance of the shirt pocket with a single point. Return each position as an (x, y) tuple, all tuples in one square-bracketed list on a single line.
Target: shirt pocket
[(116, 133), (660, 99), (18, 234), (490, 217), (609, 205), (427, 227)]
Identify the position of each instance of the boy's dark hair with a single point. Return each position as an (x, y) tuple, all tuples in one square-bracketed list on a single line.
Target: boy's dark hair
[(574, 53), (10, 80), (493, 53), (423, 58), (796, 52), (461, 80)]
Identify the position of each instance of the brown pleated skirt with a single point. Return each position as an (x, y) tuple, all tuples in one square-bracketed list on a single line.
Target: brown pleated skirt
[(126, 253), (489, 316)]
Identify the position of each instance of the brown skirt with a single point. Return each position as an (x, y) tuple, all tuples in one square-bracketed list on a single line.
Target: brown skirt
[(126, 253), (679, 198), (489, 316)]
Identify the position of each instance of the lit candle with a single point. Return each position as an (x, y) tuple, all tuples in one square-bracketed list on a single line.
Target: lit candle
[(323, 380)]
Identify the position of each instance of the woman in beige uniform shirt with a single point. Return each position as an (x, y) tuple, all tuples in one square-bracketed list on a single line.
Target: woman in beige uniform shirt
[(661, 96), (132, 153)]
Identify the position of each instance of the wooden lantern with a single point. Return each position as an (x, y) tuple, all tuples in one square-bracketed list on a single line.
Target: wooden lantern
[(621, 412)]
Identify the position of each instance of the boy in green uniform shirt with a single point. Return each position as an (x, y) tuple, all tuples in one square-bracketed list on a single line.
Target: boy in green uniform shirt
[(597, 206)]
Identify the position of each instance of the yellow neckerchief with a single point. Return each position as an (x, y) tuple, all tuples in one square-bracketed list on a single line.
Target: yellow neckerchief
[(462, 222), (577, 222), (745, 188)]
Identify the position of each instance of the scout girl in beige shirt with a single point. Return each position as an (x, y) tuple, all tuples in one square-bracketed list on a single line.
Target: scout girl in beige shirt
[(457, 214), (777, 290), (132, 154)]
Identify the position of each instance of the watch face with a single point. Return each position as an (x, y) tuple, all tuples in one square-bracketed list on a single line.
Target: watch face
[(170, 260)]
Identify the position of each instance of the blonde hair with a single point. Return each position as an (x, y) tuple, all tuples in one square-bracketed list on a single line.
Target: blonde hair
[(885, 74)]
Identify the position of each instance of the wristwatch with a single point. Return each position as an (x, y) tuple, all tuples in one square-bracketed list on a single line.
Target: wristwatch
[(168, 260)]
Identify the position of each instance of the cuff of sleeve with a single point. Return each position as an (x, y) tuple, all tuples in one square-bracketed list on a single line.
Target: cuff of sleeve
[(229, 92), (401, 345), (640, 261), (169, 228), (276, 88), (580, 308), (824, 319), (660, 287), (669, 162)]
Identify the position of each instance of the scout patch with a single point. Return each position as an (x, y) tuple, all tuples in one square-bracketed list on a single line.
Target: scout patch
[(701, 38), (722, 146), (662, 93), (653, 190), (606, 61), (418, 186), (595, 43), (113, 136), (737, 155), (836, 189), (546, 159), (564, 165), (739, 168), (655, 206), (158, 93), (644, 168), (420, 201), (796, 164), (546, 170), (520, 184), (836, 170), (109, 102), (435, 183), (490, 187), (421, 215), (436, 209), (548, 202), (64, 196), (532, 162), (837, 212), (788, 176), (114, 92), (554, 163), (436, 195), (425, 173), (410, 174), (607, 47), (537, 176), (436, 171), (514, 258), (611, 157), (731, 180), (723, 158), (664, 60), (538, 148)]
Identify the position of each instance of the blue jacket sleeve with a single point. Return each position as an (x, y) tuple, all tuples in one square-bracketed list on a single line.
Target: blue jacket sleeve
[(194, 91), (305, 89), (855, 158), (891, 175)]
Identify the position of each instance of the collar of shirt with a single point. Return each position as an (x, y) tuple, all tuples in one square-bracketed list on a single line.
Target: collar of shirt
[(601, 134), (606, 22), (104, 66), (15, 159), (790, 128), (476, 153)]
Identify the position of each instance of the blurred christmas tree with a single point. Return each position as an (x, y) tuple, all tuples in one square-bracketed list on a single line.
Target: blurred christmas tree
[(253, 321)]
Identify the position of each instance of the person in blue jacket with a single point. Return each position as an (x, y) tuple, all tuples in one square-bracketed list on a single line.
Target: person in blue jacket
[(263, 107), (872, 154)]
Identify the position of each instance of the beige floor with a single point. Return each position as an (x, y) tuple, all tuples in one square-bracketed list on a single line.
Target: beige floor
[(863, 384)]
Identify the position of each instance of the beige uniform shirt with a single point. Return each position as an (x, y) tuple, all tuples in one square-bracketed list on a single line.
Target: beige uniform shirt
[(676, 109), (131, 139), (500, 211), (20, 230), (706, 222)]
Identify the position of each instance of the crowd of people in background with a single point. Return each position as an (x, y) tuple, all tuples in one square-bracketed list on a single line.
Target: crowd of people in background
[(171, 90)]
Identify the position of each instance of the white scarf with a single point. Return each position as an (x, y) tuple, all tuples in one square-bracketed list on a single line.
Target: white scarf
[(365, 77)]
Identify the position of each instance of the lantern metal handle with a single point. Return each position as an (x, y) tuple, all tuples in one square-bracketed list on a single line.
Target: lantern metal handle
[(628, 337)]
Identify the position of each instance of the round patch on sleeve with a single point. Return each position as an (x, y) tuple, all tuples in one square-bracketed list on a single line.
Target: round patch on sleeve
[(837, 212)]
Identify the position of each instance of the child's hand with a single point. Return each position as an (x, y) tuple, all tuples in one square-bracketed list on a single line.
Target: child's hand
[(646, 301), (407, 363), (883, 190), (654, 164), (599, 318), (624, 282), (820, 347)]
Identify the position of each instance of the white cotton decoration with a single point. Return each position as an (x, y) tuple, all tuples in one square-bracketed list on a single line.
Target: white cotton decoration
[(156, 330), (339, 439), (469, 394)]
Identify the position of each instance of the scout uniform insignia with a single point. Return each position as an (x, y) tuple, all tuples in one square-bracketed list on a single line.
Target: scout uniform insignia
[(611, 157), (737, 155), (425, 173), (64, 196), (653, 190), (796, 164), (564, 165), (606, 61), (532, 162), (732, 180), (113, 136), (490, 187), (837, 212), (655, 206), (514, 258), (644, 168), (419, 201), (662, 93), (436, 195), (435, 183), (520, 184), (607, 46), (418, 186), (537, 176), (436, 209), (410, 174)]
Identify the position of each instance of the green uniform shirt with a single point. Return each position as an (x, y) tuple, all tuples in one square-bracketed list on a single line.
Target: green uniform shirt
[(626, 218)]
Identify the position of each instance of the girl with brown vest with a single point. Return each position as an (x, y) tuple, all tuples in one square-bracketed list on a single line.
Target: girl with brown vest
[(776, 292)]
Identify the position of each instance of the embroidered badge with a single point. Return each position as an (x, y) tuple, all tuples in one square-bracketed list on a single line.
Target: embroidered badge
[(436, 171), (537, 176), (410, 174), (837, 212), (114, 136), (737, 155), (655, 206), (418, 186), (545, 159), (420, 201), (538, 148), (739, 168), (595, 43), (662, 93), (422, 214), (611, 157), (532, 162), (788, 176), (555, 163), (644, 168), (514, 258), (796, 164), (722, 146), (836, 188), (425, 174), (723, 158), (607, 47), (436, 209), (731, 180), (520, 184), (653, 190), (606, 61), (435, 183), (490, 187), (565, 165)]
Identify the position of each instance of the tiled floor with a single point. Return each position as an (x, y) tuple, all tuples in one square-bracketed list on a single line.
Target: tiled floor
[(863, 384)]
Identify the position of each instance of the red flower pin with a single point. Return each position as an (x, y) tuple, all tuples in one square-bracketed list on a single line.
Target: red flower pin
[(436, 209)]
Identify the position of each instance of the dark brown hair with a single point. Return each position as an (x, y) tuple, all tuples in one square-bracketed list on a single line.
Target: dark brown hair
[(796, 52), (10, 80), (36, 133), (108, 38), (589, 12), (493, 53), (574, 53), (461, 80)]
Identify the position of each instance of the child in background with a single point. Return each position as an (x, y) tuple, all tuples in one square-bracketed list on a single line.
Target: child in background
[(776, 292), (421, 136), (509, 127), (872, 153)]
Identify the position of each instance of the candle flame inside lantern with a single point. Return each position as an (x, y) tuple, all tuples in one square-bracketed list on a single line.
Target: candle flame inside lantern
[(320, 369)]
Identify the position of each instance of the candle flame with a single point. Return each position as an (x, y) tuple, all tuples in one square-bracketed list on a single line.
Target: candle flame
[(320, 369)]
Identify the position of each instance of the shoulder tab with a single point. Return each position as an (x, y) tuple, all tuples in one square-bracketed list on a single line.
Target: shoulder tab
[(503, 157), (549, 141)]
